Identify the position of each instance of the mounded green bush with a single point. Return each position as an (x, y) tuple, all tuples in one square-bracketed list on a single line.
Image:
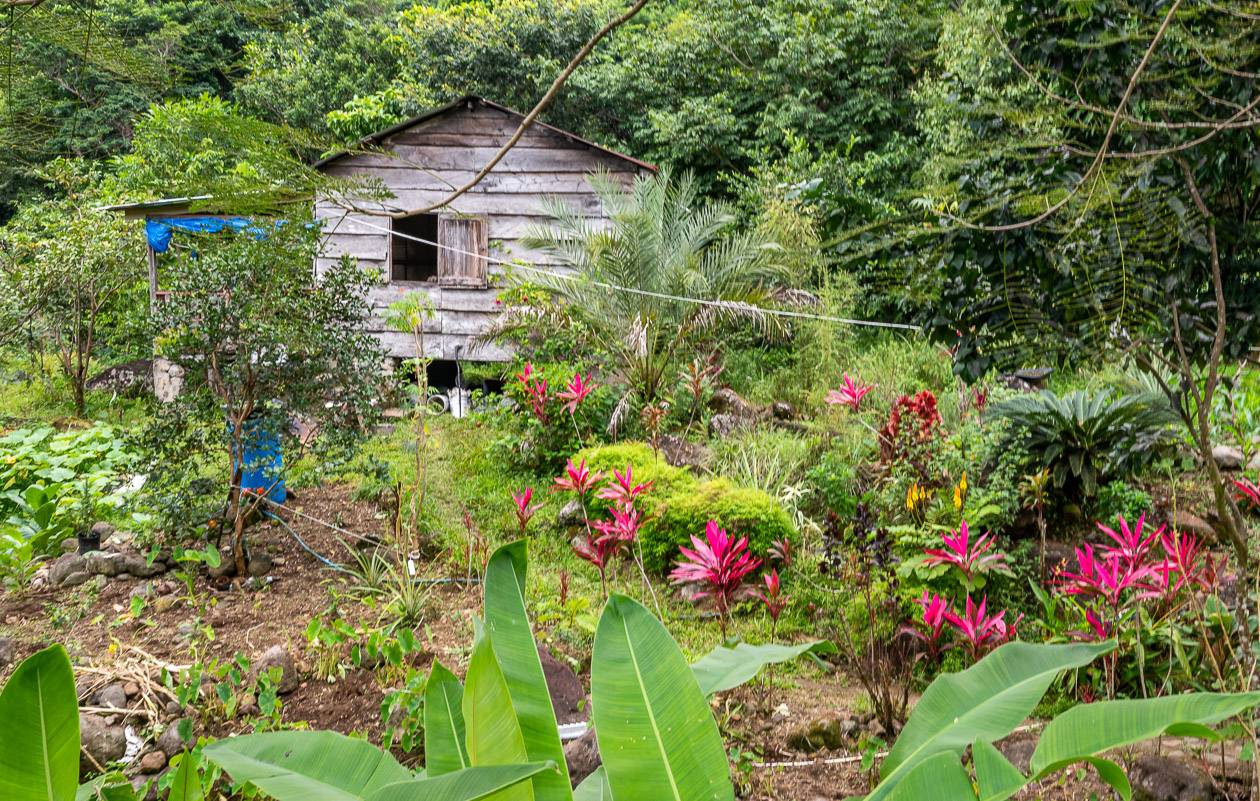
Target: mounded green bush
[(679, 505), (666, 479), (744, 511)]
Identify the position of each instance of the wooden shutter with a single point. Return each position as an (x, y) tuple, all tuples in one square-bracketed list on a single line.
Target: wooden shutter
[(462, 252)]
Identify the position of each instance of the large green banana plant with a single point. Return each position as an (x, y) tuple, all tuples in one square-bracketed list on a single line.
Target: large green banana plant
[(990, 699)]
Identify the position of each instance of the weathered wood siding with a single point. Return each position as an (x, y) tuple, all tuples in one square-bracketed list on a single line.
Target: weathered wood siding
[(431, 158)]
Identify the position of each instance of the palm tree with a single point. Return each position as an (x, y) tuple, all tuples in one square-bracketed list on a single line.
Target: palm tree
[(659, 244)]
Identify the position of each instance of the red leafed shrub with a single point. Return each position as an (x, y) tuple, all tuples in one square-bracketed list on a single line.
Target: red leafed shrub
[(913, 421)]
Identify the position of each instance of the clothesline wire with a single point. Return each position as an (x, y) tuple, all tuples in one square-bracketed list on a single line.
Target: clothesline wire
[(726, 304)]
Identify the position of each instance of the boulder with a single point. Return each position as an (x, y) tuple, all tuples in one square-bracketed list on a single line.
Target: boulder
[(566, 691), (680, 452), (70, 545), (1228, 457), (1183, 520), (170, 742), (723, 425), (114, 696), (67, 565), (1161, 778), (152, 762), (103, 530), (6, 652), (727, 401), (1018, 750), (782, 410), (104, 563), (227, 565), (259, 564), (570, 515), (278, 656), (100, 743), (817, 735), (131, 378), (137, 565), (582, 757)]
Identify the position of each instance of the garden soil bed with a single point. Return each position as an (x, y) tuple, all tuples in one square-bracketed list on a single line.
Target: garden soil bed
[(101, 638)]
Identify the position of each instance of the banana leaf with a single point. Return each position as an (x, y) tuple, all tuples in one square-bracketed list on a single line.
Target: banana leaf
[(656, 733), (507, 624), (39, 741), (493, 733), (444, 748), (726, 668)]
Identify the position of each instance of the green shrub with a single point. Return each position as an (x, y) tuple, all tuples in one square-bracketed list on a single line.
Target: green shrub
[(1118, 498), (679, 515), (666, 479)]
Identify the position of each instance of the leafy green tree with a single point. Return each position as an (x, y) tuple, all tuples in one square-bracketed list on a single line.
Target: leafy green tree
[(64, 265), (263, 343)]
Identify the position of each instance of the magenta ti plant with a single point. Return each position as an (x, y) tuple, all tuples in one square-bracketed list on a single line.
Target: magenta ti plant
[(932, 634), (599, 551), (849, 395), (715, 570), (524, 509), (578, 479), (773, 599), (980, 631), (1248, 492), (621, 489), (972, 559), (781, 551), (535, 391), (573, 395)]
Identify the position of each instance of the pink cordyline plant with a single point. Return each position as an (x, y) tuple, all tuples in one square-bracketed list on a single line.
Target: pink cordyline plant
[(1106, 576), (577, 479), (524, 510), (1185, 565), (1130, 544), (970, 558), (772, 598), (781, 551), (934, 609), (980, 630), (599, 551), (715, 570), (577, 390), (535, 391), (850, 394), (1248, 491), (623, 528), (621, 489)]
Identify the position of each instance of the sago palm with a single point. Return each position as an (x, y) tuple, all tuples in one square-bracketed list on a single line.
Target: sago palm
[(659, 243)]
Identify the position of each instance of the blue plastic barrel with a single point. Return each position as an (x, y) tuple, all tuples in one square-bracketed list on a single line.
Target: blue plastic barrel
[(262, 461)]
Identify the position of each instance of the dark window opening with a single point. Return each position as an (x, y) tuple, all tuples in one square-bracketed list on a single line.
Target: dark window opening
[(412, 260)]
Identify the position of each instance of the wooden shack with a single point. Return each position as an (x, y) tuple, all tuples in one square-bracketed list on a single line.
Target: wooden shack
[(451, 254)]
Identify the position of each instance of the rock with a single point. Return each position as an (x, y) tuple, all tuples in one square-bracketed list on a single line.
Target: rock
[(582, 757), (1188, 521), (65, 566), (164, 603), (680, 452), (278, 656), (1157, 778), (145, 590), (131, 689), (259, 564), (137, 565), (820, 734), (103, 530), (727, 401), (723, 425), (104, 563), (570, 514), (100, 743), (1228, 457), (1018, 749), (70, 545), (782, 410), (6, 652), (566, 691), (173, 708), (121, 539), (152, 762), (1254, 464), (130, 378), (114, 696), (227, 565), (75, 579)]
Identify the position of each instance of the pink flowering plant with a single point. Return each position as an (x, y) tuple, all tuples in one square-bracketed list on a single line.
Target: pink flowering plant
[(617, 533), (1137, 585), (849, 395), (557, 410), (525, 508), (714, 571), (968, 559)]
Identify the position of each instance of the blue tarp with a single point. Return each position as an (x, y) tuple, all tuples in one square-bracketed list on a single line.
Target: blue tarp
[(158, 230)]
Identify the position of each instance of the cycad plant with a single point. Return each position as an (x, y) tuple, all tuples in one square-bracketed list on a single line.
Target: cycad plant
[(1083, 439), (660, 243)]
